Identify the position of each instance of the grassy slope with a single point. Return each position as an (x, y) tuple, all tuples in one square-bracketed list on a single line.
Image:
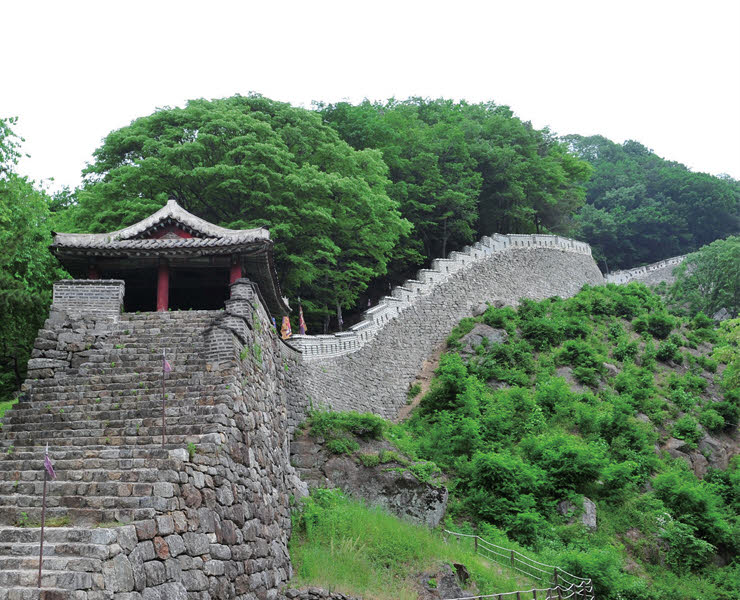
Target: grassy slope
[(515, 438), (343, 545)]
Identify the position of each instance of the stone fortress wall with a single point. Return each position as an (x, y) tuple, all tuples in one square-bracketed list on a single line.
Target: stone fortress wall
[(371, 367), (651, 274), (405, 296)]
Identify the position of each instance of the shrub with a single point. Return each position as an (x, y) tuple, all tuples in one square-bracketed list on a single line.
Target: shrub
[(711, 419), (702, 321), (501, 318), (669, 351), (625, 350), (685, 550), (371, 459), (342, 445), (579, 353), (729, 411), (365, 425), (687, 429), (658, 324), (543, 332)]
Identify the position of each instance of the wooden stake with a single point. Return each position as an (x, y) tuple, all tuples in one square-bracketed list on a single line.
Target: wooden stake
[(43, 522), (164, 425)]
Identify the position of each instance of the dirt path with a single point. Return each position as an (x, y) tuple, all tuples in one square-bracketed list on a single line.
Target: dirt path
[(425, 379)]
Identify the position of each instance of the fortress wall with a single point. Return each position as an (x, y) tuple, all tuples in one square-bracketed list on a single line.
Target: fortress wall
[(319, 347), (651, 274), (376, 376)]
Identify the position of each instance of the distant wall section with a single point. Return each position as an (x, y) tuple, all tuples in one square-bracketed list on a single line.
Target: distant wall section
[(375, 374), (651, 274)]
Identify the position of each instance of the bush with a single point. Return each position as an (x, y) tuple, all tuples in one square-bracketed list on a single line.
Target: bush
[(687, 429), (341, 445), (579, 353), (711, 419), (543, 332), (365, 425), (625, 350), (658, 324), (669, 351), (501, 318)]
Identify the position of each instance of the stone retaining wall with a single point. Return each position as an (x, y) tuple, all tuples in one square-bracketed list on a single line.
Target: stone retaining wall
[(411, 292), (375, 377)]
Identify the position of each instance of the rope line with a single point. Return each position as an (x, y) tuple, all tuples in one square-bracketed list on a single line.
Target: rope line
[(583, 588)]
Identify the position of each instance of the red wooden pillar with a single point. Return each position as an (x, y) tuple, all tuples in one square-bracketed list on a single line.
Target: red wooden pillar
[(235, 272), (163, 287), (92, 272)]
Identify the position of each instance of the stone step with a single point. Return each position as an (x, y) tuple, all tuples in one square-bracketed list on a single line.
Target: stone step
[(81, 424), (57, 535), (51, 562), (97, 497), (67, 580), (114, 472), (173, 441), (99, 435), (47, 593), (92, 456), (76, 418), (87, 517), (162, 487)]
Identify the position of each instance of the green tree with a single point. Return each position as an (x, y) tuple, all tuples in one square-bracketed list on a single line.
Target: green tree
[(462, 170), (641, 208), (27, 268), (709, 280), (249, 162)]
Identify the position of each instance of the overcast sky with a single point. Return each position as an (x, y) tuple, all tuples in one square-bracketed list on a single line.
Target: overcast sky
[(666, 73)]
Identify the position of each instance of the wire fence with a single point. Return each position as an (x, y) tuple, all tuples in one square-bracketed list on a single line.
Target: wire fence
[(560, 585)]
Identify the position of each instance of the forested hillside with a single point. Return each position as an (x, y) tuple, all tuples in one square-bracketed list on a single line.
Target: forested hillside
[(604, 396), (642, 208)]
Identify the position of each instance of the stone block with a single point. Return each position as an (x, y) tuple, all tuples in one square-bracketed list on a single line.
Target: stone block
[(155, 573), (175, 544), (146, 530), (119, 574), (196, 543)]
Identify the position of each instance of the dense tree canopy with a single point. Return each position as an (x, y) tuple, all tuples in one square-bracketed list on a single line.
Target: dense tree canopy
[(249, 162), (462, 170), (642, 208), (709, 280), (27, 269)]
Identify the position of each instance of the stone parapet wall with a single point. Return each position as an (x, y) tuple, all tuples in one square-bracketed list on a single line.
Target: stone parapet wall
[(80, 297), (376, 376), (651, 274), (406, 296)]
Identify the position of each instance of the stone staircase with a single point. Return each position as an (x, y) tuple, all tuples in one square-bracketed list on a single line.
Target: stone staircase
[(102, 421)]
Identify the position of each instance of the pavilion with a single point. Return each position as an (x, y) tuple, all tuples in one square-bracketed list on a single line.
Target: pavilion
[(175, 260)]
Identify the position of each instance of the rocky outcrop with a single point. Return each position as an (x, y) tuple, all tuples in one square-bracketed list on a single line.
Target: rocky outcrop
[(587, 512), (388, 482), (481, 334)]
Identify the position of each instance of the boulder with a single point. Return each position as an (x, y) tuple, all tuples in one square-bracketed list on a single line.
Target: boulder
[(588, 512), (395, 489), (478, 334)]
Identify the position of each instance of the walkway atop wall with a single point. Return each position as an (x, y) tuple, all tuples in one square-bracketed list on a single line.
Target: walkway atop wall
[(315, 347)]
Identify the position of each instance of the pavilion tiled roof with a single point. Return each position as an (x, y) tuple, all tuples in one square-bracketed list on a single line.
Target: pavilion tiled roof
[(171, 212), (208, 240)]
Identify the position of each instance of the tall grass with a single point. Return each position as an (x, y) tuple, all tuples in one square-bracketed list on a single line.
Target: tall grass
[(6, 405), (342, 545)]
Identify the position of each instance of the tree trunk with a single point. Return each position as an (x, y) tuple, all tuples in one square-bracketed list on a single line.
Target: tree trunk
[(17, 372), (326, 319), (340, 322)]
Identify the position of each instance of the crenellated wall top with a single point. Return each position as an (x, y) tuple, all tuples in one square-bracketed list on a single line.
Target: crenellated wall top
[(404, 296)]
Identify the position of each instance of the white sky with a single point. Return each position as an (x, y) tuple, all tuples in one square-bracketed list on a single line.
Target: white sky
[(666, 73)]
